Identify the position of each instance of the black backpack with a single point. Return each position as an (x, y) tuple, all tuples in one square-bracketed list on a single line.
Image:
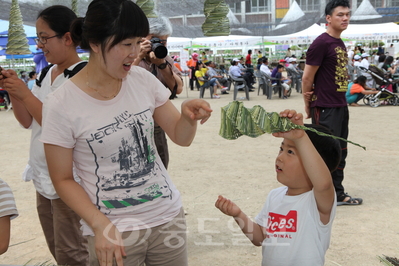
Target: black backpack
[(68, 73)]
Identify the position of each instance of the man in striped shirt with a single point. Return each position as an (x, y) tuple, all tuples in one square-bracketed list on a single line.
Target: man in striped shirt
[(8, 211)]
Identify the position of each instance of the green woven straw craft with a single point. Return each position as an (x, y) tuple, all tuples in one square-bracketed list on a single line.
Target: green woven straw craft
[(236, 120)]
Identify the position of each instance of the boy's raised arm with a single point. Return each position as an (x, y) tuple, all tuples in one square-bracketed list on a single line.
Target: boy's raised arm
[(315, 167)]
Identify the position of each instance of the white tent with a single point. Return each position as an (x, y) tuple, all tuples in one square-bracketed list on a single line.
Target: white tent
[(365, 11), (294, 14), (306, 36), (382, 31), (178, 43), (227, 42)]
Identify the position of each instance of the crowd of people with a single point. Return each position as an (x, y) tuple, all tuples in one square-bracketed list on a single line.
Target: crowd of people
[(365, 67), (101, 173)]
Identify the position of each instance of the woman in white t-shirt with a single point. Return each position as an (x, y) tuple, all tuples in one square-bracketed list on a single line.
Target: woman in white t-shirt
[(60, 224), (102, 120)]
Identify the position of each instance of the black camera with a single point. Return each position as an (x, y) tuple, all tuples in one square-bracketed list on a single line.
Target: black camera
[(158, 48)]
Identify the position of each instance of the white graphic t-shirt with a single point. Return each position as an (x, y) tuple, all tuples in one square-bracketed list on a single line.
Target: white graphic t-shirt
[(114, 150), (295, 234)]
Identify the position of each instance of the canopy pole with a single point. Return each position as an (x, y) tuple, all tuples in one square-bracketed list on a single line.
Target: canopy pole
[(188, 72)]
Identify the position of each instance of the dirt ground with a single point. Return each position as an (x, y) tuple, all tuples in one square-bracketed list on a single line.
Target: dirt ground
[(242, 170)]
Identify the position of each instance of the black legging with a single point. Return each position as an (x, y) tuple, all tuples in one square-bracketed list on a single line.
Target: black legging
[(192, 78)]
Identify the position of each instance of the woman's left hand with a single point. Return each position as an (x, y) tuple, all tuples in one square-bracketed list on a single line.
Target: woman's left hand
[(196, 109)]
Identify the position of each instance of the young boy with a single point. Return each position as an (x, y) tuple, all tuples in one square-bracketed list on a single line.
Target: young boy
[(294, 226), (8, 211)]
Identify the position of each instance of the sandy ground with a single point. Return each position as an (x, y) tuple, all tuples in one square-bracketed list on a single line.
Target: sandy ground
[(242, 170)]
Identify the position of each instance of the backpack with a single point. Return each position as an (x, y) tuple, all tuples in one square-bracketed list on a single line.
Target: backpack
[(69, 73)]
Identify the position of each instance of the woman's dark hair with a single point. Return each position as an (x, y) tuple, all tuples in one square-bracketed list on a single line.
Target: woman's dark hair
[(333, 4), (328, 147), (59, 19), (361, 80), (388, 60), (199, 62), (382, 58), (105, 19)]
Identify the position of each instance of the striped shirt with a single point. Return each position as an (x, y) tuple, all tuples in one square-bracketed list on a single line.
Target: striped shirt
[(7, 201)]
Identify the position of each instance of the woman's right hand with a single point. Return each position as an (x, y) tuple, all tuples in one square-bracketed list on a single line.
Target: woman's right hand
[(15, 86), (109, 245)]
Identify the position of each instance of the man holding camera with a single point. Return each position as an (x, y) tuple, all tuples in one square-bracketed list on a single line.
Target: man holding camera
[(153, 57)]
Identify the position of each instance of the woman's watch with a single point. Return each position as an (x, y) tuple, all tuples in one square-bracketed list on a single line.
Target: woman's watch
[(163, 65)]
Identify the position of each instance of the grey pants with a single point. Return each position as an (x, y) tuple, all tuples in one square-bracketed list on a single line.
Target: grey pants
[(61, 228), (163, 245)]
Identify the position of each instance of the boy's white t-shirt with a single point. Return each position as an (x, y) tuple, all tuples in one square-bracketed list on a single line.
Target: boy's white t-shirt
[(295, 234), (114, 151)]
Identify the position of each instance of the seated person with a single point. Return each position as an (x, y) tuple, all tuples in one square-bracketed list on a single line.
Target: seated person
[(4, 97), (8, 211), (280, 62), (293, 67), (381, 60), (264, 67), (357, 89), (285, 82), (211, 73), (389, 66), (236, 72), (200, 74)]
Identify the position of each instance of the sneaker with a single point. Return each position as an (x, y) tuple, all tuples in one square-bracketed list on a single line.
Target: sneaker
[(285, 97), (225, 92), (215, 96), (224, 88)]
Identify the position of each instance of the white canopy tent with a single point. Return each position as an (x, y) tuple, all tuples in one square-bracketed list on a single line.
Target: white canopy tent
[(354, 32), (306, 36), (382, 31)]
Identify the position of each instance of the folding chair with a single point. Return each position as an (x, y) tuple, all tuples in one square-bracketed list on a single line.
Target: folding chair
[(202, 88), (239, 83)]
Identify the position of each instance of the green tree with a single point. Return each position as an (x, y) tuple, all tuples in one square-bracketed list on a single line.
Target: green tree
[(17, 42)]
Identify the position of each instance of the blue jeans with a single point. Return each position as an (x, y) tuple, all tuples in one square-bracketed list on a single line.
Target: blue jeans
[(212, 82)]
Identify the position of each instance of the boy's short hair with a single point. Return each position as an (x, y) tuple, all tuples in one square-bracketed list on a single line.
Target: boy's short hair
[(31, 74), (332, 4), (328, 147)]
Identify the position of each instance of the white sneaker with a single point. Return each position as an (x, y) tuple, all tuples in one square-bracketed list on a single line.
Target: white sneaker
[(215, 96)]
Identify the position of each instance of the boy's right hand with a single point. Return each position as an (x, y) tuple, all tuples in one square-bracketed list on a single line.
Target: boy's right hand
[(227, 206), (296, 118)]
